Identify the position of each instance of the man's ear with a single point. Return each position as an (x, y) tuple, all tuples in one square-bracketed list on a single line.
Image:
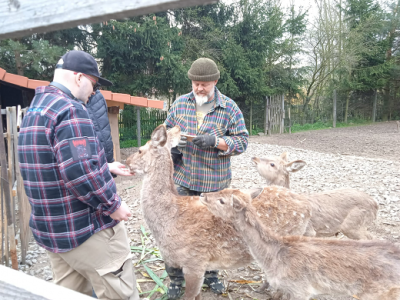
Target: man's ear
[(236, 203), (159, 136)]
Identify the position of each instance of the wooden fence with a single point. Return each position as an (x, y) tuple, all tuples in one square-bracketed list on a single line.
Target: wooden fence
[(14, 208), (275, 114)]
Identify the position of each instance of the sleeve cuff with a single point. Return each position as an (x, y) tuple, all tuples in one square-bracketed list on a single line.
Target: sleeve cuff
[(116, 204), (231, 147)]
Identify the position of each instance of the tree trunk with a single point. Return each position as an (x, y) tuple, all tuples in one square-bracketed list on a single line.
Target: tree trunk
[(347, 107), (18, 63)]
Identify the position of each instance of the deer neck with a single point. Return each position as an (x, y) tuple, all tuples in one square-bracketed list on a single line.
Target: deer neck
[(158, 194), (263, 244), (283, 180)]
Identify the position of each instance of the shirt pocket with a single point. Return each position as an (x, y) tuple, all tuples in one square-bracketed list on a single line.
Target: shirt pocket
[(218, 131)]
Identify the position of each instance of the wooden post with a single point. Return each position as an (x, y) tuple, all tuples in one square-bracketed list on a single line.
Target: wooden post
[(283, 114), (10, 151), (290, 120), (138, 127), (374, 106), (113, 112), (23, 202), (266, 116), (334, 108), (251, 117), (7, 197)]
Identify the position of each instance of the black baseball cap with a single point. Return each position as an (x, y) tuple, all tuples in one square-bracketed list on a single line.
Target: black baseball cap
[(81, 62)]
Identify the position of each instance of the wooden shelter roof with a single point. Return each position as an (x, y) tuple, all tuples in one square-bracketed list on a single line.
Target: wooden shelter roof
[(113, 99)]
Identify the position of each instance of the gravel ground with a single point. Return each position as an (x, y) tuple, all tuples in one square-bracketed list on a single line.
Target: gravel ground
[(365, 157)]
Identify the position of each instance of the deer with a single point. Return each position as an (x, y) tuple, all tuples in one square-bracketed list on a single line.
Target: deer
[(302, 268), (188, 235), (344, 210)]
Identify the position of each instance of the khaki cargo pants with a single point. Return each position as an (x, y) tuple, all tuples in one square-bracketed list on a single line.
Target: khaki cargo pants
[(102, 262)]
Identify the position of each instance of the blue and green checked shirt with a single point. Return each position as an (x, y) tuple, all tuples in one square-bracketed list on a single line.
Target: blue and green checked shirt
[(206, 170)]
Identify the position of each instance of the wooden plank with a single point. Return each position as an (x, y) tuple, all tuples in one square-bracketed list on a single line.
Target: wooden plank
[(24, 208), (23, 286), (10, 156), (25, 17), (7, 197), (113, 118)]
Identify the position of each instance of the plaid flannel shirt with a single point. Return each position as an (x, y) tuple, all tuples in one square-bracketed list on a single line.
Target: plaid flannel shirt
[(65, 172), (206, 170)]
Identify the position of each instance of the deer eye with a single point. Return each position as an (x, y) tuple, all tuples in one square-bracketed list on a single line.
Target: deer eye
[(221, 201), (140, 152), (272, 164)]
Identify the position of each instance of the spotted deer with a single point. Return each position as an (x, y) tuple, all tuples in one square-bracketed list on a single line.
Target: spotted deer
[(343, 210), (187, 234), (302, 268)]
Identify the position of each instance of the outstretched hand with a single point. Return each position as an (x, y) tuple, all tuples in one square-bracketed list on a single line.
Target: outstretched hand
[(119, 169)]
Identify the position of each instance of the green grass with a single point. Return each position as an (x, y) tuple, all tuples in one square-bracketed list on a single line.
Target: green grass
[(327, 125), (131, 143)]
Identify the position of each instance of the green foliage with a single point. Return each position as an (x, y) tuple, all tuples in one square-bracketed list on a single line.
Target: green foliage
[(328, 125), (131, 143)]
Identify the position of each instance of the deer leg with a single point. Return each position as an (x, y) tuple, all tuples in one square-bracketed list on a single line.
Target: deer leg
[(310, 231), (263, 287), (353, 225), (194, 281)]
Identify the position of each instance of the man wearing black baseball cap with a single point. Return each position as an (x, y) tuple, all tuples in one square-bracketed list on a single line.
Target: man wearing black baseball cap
[(76, 215)]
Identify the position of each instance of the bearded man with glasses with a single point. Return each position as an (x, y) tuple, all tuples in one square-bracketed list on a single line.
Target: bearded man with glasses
[(76, 212)]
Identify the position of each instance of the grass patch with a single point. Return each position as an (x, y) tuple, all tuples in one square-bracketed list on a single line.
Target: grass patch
[(326, 125), (131, 143)]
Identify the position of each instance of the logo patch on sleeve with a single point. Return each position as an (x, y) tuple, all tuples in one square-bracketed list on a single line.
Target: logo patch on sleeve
[(80, 148)]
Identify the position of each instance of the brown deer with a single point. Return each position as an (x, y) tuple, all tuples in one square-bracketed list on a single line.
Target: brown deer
[(188, 235), (342, 210), (301, 267)]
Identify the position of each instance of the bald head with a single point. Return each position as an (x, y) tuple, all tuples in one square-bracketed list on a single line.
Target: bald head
[(80, 85)]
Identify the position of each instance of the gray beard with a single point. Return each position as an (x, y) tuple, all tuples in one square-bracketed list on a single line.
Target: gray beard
[(200, 100)]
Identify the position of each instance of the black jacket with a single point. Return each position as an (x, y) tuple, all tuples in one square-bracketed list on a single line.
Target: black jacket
[(98, 113)]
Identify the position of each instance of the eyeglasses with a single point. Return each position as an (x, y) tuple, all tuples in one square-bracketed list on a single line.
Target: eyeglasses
[(96, 84)]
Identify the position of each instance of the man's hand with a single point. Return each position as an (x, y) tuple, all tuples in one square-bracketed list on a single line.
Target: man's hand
[(119, 169), (183, 141), (122, 213), (205, 141)]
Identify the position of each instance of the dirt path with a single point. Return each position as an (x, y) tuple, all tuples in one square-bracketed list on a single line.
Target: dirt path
[(380, 140)]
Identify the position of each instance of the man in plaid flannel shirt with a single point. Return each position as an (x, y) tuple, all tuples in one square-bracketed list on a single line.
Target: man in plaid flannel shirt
[(76, 212), (203, 165)]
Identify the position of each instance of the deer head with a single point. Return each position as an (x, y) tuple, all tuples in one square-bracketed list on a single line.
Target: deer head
[(159, 147), (276, 169), (221, 203)]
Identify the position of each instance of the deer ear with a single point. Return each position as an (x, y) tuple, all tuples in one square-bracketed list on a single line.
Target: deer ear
[(255, 160), (255, 192), (159, 136), (284, 156), (237, 204), (295, 166), (174, 135)]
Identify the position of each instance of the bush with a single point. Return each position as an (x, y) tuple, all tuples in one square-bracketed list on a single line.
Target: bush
[(131, 143)]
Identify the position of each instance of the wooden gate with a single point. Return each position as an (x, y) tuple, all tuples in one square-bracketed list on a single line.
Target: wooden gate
[(274, 114), (14, 215)]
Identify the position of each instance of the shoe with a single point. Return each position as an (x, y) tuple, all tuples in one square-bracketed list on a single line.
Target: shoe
[(215, 284), (174, 290)]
